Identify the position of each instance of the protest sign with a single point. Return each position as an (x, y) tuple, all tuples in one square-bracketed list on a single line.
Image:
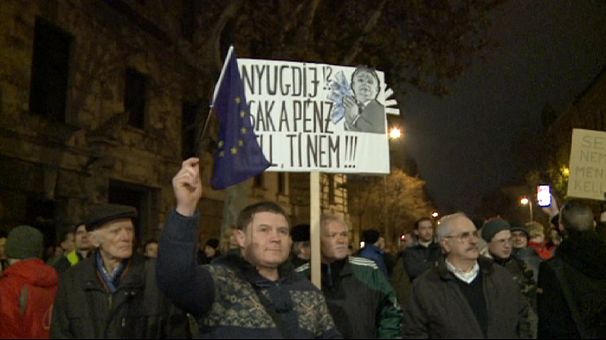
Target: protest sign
[(587, 164), (309, 117)]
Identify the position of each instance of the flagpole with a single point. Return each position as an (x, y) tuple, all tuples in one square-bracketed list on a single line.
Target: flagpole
[(225, 62), (203, 132), (216, 90)]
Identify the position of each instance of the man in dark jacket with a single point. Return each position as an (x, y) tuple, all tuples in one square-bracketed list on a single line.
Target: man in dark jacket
[(360, 299), (521, 250), (251, 294), (373, 249), (426, 253), (497, 234), (113, 293), (465, 296), (573, 302)]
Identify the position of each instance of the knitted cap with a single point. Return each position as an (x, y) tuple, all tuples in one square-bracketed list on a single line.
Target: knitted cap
[(24, 242), (493, 227), (102, 214), (519, 227)]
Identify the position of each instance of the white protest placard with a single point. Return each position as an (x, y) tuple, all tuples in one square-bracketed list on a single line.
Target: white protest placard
[(310, 117), (587, 164)]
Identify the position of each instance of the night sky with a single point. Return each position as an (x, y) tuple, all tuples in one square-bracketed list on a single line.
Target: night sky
[(548, 52)]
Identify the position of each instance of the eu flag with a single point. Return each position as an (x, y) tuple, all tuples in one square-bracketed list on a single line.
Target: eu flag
[(238, 155)]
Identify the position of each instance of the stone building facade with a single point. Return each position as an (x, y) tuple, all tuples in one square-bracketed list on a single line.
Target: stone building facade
[(99, 102)]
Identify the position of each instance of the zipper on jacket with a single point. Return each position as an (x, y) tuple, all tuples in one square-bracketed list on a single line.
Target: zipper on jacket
[(109, 301)]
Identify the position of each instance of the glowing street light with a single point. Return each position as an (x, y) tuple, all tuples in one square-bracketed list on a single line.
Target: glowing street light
[(435, 214), (395, 133), (526, 201)]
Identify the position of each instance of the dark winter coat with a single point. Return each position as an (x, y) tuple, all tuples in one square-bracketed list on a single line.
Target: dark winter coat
[(530, 257), (85, 308), (419, 259), (438, 309), (573, 283), (230, 299)]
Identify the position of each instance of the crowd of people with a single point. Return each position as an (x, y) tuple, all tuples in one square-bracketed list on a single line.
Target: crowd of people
[(452, 279)]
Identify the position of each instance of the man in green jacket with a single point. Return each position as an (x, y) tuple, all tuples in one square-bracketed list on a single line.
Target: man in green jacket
[(359, 297)]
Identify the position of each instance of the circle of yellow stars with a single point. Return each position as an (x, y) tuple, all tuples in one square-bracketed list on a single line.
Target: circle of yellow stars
[(243, 130)]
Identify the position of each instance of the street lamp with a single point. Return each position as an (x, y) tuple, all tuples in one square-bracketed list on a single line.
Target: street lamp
[(526, 201), (395, 133), (435, 214)]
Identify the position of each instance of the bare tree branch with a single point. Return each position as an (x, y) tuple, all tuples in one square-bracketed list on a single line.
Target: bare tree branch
[(370, 25)]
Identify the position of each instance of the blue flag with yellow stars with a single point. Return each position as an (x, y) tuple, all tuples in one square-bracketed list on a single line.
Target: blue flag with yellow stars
[(238, 155)]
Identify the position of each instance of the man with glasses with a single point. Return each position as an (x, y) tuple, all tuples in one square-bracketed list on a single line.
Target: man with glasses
[(465, 296), (499, 240)]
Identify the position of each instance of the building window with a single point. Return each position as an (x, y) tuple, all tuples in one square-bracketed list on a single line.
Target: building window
[(40, 214), (135, 88), (331, 189), (189, 130), (140, 197), (50, 71), (282, 183)]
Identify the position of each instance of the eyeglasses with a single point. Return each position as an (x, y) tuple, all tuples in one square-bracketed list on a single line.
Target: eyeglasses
[(465, 236)]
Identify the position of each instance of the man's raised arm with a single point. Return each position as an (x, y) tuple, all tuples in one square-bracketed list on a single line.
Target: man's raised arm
[(188, 285)]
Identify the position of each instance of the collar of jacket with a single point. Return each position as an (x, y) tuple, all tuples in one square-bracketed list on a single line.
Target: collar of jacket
[(430, 246), (341, 267), (523, 252), (486, 267), (236, 262), (133, 276), (333, 272)]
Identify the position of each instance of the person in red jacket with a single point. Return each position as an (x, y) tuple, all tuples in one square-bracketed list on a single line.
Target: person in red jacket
[(27, 287)]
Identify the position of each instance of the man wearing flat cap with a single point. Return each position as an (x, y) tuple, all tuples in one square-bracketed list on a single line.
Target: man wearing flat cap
[(113, 293)]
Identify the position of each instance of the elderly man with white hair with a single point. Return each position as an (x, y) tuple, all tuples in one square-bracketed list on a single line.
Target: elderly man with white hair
[(465, 296)]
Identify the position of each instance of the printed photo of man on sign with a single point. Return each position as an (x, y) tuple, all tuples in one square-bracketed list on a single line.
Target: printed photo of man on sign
[(363, 112)]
